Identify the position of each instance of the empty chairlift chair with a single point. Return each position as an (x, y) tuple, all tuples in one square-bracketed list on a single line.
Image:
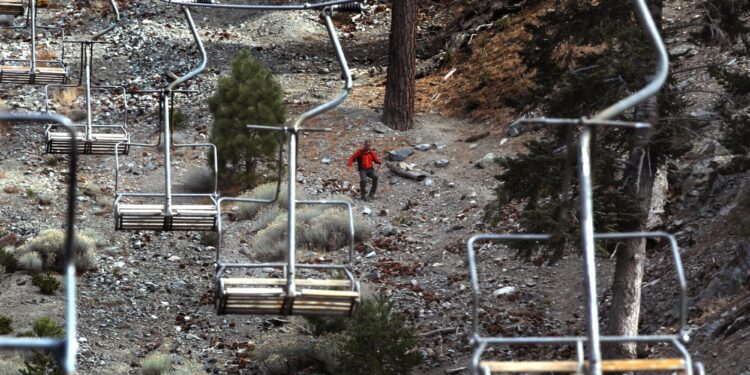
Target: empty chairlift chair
[(90, 139), (291, 295), (33, 71), (134, 212), (64, 349), (590, 362)]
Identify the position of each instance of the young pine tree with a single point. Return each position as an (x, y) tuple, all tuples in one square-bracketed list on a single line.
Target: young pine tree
[(248, 96)]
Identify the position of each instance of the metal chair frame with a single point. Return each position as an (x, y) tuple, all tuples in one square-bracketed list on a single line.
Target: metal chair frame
[(54, 72), (290, 296), (168, 216), (593, 338), (95, 139), (63, 349)]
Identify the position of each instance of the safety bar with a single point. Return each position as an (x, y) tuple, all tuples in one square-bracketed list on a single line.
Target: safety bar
[(674, 248), (340, 5), (65, 349), (579, 341)]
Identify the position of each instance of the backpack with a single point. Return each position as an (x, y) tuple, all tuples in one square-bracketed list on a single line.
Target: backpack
[(359, 159)]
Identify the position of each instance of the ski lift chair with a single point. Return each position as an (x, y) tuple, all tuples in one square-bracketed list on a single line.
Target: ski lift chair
[(34, 71), (133, 211), (288, 295), (63, 349), (682, 365), (593, 364), (91, 139), (18, 7), (139, 211)]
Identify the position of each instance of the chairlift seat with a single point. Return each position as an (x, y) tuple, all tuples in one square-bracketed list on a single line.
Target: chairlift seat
[(51, 75), (609, 365), (12, 7), (100, 143), (152, 217), (259, 296)]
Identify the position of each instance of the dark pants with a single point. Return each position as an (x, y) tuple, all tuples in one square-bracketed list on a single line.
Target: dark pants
[(363, 175)]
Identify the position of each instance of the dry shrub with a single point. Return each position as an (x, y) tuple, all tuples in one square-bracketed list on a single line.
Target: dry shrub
[(49, 245), (317, 230), (31, 261), (248, 211), (266, 216), (11, 367), (189, 368), (157, 364), (67, 98), (197, 180), (291, 357), (42, 55)]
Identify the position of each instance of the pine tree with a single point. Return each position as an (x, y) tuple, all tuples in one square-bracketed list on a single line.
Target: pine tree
[(248, 96), (377, 342)]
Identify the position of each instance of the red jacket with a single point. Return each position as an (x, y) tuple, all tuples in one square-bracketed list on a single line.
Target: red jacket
[(365, 159)]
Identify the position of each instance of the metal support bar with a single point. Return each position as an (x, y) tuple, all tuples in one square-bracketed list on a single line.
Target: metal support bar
[(64, 349)]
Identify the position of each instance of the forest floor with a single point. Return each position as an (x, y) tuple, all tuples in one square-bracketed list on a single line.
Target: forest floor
[(146, 284)]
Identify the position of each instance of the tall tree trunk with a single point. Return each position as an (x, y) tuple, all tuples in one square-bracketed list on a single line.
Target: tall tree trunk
[(624, 315), (402, 59)]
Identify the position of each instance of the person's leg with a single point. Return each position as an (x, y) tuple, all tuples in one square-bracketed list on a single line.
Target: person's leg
[(374, 176), (362, 183)]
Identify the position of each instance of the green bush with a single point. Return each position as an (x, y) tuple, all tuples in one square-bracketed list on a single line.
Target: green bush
[(8, 259), (6, 325), (377, 342), (157, 364), (42, 363), (249, 95), (50, 247), (47, 283), (322, 325)]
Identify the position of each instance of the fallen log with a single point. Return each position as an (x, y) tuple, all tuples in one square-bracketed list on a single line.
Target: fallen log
[(403, 172)]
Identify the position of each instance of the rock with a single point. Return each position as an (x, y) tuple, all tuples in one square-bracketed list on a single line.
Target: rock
[(515, 129), (400, 155), (326, 161), (732, 279), (705, 115), (430, 183), (45, 199), (504, 291), (178, 284), (174, 258), (680, 50), (486, 161), (442, 163), (370, 254), (366, 211), (423, 146), (150, 166), (381, 128)]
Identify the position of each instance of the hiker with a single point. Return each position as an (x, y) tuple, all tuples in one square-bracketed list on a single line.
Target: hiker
[(365, 157)]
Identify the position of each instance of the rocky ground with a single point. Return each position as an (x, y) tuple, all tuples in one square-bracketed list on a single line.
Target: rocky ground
[(153, 291)]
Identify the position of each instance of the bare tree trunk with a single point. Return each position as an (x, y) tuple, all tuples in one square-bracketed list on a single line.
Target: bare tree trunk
[(401, 85), (624, 315)]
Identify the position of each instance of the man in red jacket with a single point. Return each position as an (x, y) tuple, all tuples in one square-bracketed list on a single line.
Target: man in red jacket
[(365, 157)]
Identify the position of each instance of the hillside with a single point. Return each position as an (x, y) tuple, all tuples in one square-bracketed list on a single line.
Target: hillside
[(152, 292)]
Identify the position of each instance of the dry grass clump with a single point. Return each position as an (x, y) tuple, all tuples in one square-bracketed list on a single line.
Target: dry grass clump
[(157, 364), (291, 357), (11, 367), (317, 230), (248, 211), (49, 248)]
